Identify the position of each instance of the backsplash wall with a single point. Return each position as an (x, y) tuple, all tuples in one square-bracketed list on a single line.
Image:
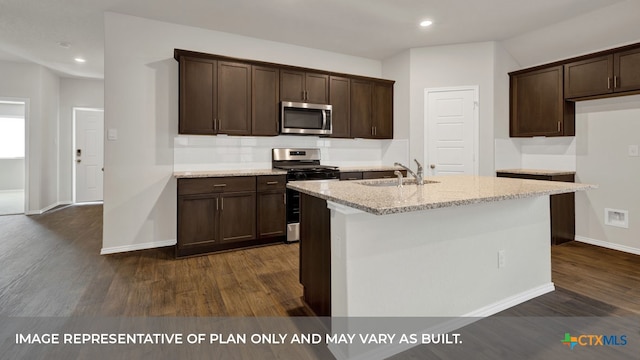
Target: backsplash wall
[(194, 153)]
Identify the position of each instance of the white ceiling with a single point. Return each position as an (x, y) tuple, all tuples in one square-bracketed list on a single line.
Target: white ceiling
[(31, 30)]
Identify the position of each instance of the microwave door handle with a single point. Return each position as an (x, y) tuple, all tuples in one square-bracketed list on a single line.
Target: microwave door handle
[(324, 120)]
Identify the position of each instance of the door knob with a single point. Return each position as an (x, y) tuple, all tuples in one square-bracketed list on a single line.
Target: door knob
[(78, 161), (433, 166)]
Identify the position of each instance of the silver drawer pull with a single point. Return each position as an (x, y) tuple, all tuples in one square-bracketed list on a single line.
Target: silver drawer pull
[(272, 182), (219, 185)]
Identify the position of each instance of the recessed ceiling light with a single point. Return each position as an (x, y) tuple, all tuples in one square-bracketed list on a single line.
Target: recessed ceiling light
[(80, 60), (426, 23)]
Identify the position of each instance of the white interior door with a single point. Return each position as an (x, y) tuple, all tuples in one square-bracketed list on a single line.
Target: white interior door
[(451, 126), (89, 154)]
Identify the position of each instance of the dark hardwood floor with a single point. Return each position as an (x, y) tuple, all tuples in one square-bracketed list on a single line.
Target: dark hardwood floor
[(51, 266)]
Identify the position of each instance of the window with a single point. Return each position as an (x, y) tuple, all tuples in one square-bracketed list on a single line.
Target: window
[(11, 137)]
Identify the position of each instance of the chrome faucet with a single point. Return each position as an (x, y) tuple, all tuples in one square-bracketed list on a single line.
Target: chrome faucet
[(419, 176), (399, 175)]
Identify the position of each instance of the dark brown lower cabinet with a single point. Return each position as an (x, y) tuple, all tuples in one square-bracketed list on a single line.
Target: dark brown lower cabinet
[(315, 254), (216, 214), (271, 206), (563, 208)]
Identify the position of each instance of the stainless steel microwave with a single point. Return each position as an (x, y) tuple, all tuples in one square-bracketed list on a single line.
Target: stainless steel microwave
[(305, 118)]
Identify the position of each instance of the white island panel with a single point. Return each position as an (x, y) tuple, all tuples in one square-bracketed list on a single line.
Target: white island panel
[(440, 262)]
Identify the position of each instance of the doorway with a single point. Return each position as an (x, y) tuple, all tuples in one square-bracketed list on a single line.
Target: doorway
[(451, 130), (13, 156), (88, 154)]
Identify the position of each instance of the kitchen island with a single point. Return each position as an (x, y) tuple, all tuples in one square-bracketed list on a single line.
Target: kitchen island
[(456, 246)]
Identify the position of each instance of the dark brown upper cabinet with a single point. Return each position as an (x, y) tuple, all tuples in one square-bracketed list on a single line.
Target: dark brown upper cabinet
[(371, 109), (382, 111), (626, 66), (224, 95), (588, 77), (602, 75), (197, 99), (215, 97), (265, 93), (340, 100), (537, 105), (361, 100), (302, 86), (233, 99)]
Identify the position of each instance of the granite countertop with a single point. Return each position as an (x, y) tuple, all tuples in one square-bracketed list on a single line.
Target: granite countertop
[(444, 191), (225, 173), (537, 172)]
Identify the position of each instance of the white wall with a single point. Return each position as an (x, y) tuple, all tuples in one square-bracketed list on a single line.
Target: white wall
[(604, 130), (40, 87), (398, 68), (141, 102), (601, 29), (450, 66), (87, 93)]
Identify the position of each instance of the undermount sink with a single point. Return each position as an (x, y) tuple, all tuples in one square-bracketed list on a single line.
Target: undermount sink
[(389, 183)]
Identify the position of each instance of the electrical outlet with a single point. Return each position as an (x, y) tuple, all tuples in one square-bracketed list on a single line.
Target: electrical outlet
[(633, 150), (502, 258)]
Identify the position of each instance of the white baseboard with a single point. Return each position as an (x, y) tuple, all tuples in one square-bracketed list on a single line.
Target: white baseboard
[(449, 326), (608, 245), (42, 211), (134, 247)]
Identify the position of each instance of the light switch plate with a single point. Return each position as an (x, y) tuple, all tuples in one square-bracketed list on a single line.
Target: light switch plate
[(112, 134), (633, 150)]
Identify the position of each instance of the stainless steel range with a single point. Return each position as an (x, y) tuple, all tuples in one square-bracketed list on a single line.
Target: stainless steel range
[(301, 164)]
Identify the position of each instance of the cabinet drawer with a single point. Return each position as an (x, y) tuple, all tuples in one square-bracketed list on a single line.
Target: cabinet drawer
[(216, 185), (353, 175), (271, 182)]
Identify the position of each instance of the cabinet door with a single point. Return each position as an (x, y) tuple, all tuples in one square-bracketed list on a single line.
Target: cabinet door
[(361, 97), (627, 70), (264, 100), (238, 217), (234, 98), (382, 111), (197, 222), (340, 100), (589, 77), (291, 85), (197, 100), (537, 105), (317, 88), (271, 214)]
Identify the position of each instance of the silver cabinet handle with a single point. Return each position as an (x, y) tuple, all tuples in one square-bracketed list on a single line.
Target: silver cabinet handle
[(615, 82), (221, 204), (272, 182), (559, 126), (608, 82), (284, 198), (217, 206)]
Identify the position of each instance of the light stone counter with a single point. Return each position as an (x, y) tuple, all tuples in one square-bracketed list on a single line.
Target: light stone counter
[(225, 173), (439, 192)]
